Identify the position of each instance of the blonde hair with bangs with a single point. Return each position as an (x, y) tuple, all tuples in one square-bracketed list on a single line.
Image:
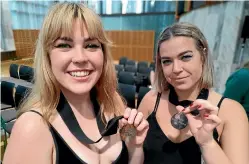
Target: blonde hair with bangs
[(45, 93), (187, 30)]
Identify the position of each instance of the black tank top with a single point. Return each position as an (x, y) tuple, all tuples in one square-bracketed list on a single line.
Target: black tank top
[(160, 150), (65, 155)]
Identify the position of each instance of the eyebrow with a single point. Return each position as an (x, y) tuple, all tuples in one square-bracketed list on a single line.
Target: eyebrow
[(180, 54), (65, 39), (68, 39)]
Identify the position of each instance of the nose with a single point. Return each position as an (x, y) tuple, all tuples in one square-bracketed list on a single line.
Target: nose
[(79, 55), (177, 67)]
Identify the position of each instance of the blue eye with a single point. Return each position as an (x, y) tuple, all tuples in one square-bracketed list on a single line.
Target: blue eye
[(186, 57), (63, 45)]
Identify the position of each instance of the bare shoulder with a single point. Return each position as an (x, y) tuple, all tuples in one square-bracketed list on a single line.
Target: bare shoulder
[(148, 102), (234, 136), (229, 108), (30, 122), (232, 110), (32, 132)]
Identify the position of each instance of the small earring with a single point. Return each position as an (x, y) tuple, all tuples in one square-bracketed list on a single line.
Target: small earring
[(204, 50)]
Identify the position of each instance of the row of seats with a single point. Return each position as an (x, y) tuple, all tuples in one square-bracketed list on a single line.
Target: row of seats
[(128, 92), (125, 61), (133, 69), (11, 97), (21, 72), (133, 80), (134, 73)]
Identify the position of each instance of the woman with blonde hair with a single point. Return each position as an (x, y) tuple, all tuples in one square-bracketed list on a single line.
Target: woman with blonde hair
[(237, 87), (189, 122), (73, 111)]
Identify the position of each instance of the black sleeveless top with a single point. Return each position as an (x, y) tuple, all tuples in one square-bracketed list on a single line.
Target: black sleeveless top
[(160, 150), (65, 155)]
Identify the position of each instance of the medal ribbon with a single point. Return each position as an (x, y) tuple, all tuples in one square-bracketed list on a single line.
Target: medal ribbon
[(72, 124), (173, 99)]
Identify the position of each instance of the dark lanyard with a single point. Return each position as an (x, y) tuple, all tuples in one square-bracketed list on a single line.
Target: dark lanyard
[(173, 99), (72, 124)]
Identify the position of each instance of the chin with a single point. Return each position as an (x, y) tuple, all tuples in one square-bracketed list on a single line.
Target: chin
[(78, 89), (182, 87)]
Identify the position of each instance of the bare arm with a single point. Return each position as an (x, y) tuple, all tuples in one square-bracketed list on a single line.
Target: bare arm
[(234, 138), (147, 104), (30, 141), (136, 155)]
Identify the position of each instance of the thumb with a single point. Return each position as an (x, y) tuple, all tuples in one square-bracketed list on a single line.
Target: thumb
[(194, 122), (189, 115), (179, 108)]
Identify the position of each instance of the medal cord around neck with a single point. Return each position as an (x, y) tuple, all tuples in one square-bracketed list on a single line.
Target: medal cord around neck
[(173, 98), (68, 117)]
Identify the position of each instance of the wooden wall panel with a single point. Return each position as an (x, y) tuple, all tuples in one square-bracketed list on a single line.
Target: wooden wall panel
[(25, 42), (136, 45)]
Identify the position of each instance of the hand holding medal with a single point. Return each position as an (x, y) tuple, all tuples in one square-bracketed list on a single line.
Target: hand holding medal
[(179, 120), (203, 125), (133, 127)]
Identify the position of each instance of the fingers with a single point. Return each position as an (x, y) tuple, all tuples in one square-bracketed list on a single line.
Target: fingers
[(214, 118), (143, 125), (179, 108), (138, 119), (201, 105), (132, 116), (127, 113), (122, 122)]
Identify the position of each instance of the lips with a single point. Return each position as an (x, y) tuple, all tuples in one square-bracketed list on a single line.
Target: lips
[(179, 78)]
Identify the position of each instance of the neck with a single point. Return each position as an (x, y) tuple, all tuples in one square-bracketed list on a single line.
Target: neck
[(189, 94), (80, 103)]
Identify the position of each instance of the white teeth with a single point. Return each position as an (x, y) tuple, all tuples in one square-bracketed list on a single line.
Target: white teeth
[(79, 73)]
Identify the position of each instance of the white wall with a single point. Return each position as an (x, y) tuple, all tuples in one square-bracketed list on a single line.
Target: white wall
[(7, 39), (221, 25)]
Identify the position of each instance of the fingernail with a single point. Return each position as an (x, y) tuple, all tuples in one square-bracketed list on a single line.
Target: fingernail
[(191, 104), (199, 106)]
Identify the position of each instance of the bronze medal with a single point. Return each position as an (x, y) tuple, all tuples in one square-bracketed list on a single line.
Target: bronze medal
[(127, 132)]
